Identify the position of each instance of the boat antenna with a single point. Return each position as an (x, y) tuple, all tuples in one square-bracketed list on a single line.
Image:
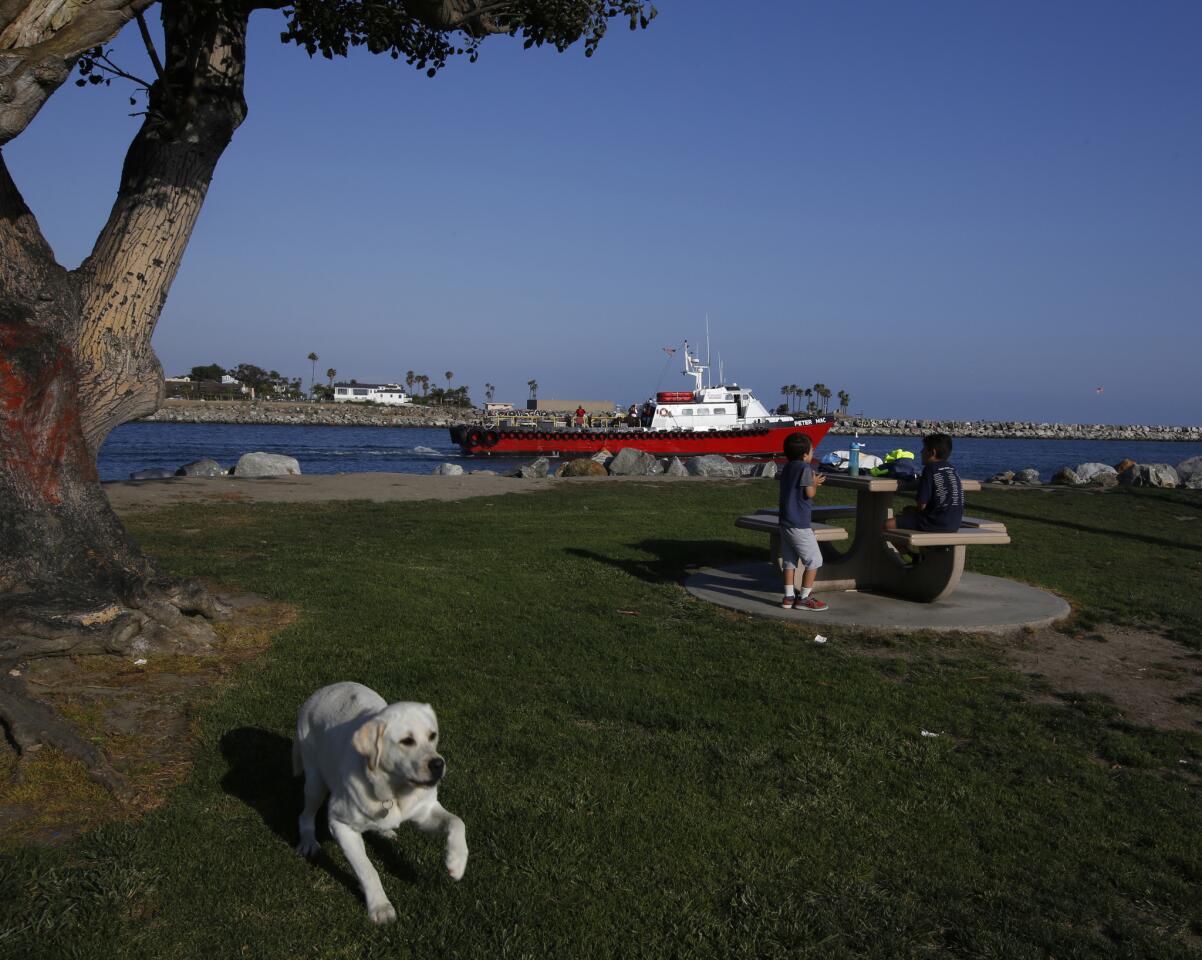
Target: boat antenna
[(721, 374), (708, 381)]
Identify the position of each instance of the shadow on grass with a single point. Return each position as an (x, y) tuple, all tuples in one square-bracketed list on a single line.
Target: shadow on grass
[(1085, 528), (260, 775), (670, 558)]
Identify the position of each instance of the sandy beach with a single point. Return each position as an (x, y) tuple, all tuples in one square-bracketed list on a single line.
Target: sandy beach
[(133, 495)]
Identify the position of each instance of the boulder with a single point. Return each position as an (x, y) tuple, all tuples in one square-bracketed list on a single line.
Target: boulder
[(634, 463), (602, 456), (711, 465), (1123, 465), (448, 470), (586, 467), (1029, 476), (261, 464), (1189, 471), (766, 470), (1006, 476), (675, 468), (1099, 474), (156, 473), (534, 471), (201, 468), (1066, 477), (1149, 475), (483, 473)]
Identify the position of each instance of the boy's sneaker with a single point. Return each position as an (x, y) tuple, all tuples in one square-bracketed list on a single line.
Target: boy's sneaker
[(787, 602), (809, 603)]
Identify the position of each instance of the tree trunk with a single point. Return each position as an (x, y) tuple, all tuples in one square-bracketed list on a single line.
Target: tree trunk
[(76, 361)]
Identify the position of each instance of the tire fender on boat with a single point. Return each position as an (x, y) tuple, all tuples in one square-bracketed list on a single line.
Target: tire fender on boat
[(490, 438)]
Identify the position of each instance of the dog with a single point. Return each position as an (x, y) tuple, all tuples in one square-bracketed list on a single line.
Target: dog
[(379, 765)]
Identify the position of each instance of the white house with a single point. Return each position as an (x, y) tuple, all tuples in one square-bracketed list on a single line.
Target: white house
[(387, 393)]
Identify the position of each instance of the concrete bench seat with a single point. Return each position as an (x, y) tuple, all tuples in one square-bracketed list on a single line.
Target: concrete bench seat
[(964, 537), (848, 510), (767, 523)]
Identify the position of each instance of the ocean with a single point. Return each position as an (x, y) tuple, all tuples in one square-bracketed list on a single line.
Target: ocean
[(141, 446)]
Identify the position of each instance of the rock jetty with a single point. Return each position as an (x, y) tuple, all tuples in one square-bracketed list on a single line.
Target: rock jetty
[(306, 414), (417, 415)]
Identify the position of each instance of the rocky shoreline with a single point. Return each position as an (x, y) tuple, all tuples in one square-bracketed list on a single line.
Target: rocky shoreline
[(1016, 430), (415, 415)]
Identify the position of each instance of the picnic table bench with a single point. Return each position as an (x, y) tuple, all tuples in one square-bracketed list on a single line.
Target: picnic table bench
[(872, 561)]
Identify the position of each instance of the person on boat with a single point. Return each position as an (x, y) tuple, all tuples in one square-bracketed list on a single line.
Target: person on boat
[(633, 414), (580, 413), (798, 547), (648, 414)]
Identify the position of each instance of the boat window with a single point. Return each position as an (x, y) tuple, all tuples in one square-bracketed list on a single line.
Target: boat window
[(730, 398), (703, 412), (687, 413), (719, 410)]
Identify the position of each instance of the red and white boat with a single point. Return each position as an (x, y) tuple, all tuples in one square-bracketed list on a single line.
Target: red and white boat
[(726, 420)]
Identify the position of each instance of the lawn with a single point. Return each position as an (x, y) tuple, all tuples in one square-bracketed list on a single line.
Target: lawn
[(643, 775)]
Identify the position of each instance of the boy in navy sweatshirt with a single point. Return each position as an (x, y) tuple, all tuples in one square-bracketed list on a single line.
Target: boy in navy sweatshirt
[(940, 494)]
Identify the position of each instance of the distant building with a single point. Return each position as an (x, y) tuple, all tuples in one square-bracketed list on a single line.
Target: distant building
[(391, 394), (570, 406), (185, 388), (498, 407)]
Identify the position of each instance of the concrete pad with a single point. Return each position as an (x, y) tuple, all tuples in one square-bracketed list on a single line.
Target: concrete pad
[(980, 604)]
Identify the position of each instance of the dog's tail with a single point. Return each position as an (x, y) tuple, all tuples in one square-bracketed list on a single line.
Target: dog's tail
[(298, 766)]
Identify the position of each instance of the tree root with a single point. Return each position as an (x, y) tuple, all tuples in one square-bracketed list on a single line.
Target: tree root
[(159, 617), (32, 725)]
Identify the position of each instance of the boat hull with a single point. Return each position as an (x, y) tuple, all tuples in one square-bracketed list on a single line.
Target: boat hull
[(760, 442)]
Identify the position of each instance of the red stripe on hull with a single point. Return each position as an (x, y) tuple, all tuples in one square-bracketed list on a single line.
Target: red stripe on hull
[(738, 443)]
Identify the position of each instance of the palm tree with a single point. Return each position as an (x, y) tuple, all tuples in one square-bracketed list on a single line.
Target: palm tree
[(410, 378), (425, 382), (796, 391), (489, 391), (533, 385), (313, 358), (844, 400), (809, 393), (448, 375)]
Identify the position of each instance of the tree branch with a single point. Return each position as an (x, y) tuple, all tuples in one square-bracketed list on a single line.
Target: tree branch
[(39, 43), (154, 54)]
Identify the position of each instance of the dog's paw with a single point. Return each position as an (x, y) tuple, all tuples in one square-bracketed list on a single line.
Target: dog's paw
[(308, 847), (456, 861), (388, 834), (381, 912)]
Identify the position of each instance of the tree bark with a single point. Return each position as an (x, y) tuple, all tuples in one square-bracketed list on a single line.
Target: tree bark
[(76, 361)]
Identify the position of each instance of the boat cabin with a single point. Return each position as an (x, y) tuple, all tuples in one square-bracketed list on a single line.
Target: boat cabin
[(711, 408)]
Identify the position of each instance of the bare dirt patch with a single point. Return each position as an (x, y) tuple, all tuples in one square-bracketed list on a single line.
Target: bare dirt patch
[(140, 714), (1151, 679)]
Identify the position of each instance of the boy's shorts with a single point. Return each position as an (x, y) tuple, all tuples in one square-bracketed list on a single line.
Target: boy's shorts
[(799, 544)]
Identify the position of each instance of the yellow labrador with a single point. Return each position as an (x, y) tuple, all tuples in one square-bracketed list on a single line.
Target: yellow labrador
[(379, 765)]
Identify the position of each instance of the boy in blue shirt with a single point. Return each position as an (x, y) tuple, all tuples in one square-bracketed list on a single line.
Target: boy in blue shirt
[(940, 494), (798, 486)]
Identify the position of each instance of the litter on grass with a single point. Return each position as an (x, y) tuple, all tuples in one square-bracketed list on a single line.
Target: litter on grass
[(819, 638), (140, 662), (927, 733)]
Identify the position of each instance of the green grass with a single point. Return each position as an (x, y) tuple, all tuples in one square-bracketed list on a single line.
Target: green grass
[(669, 781)]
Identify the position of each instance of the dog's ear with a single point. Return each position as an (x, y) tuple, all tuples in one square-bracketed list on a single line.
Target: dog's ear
[(369, 741)]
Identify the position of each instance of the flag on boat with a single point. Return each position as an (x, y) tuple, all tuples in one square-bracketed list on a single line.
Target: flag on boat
[(670, 351)]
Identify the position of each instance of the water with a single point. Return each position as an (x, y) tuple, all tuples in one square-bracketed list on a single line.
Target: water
[(140, 446)]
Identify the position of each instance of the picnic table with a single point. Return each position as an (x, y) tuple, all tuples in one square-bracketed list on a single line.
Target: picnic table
[(874, 560)]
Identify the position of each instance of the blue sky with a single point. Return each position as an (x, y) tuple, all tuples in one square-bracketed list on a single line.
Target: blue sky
[(950, 209)]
